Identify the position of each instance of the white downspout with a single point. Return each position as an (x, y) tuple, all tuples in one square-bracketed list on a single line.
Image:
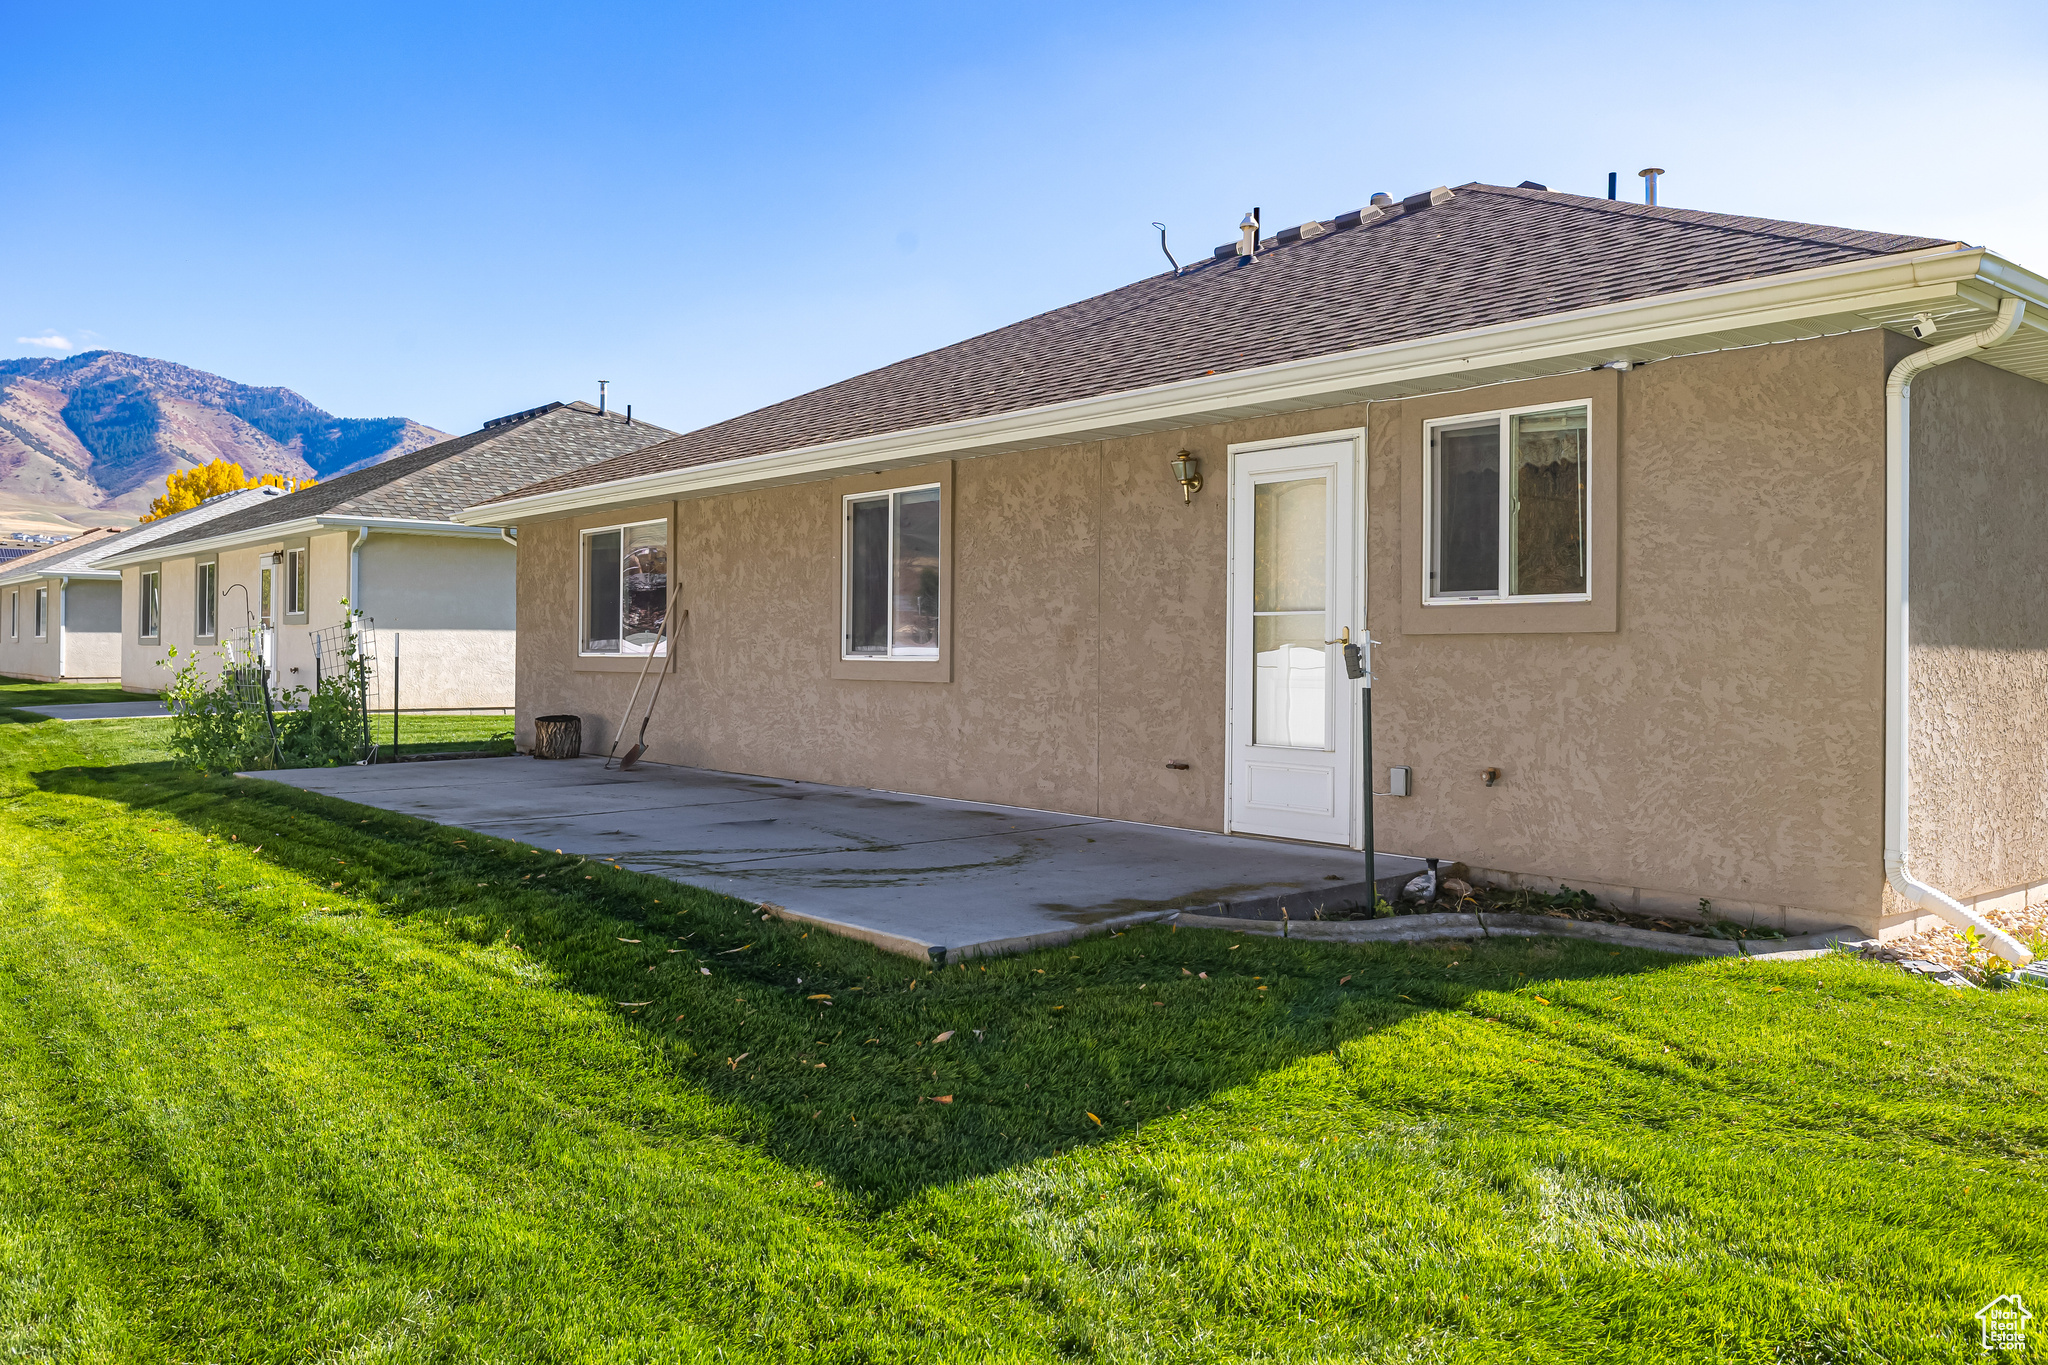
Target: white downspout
[(355, 570), (1898, 646), (63, 622), (509, 536)]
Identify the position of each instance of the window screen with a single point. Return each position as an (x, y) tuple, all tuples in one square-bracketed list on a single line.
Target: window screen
[(626, 588), (42, 612), (892, 575), (1515, 530), (152, 605), (295, 582), (208, 603)]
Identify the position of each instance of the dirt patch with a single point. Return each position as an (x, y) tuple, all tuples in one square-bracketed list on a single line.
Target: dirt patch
[(1458, 895)]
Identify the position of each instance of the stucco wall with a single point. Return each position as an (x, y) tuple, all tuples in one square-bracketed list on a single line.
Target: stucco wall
[(1723, 740), (92, 626), (450, 597), (22, 653), (1979, 739)]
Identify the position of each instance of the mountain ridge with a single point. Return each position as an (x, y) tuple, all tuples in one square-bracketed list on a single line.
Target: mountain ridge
[(88, 439)]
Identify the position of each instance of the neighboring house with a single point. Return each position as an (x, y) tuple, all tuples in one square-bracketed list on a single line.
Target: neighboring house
[(379, 540), (60, 609), (1607, 482)]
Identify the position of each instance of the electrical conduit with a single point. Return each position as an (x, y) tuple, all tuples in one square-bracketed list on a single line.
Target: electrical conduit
[(1898, 647)]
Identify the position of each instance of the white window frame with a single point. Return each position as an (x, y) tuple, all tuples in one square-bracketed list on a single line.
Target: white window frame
[(142, 621), (14, 613), (1430, 598), (207, 600), (42, 622), (846, 655), (294, 592), (660, 649)]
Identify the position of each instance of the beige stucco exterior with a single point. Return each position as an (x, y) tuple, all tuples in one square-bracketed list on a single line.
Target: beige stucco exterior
[(443, 602), (81, 639), (1708, 725), (1979, 664)]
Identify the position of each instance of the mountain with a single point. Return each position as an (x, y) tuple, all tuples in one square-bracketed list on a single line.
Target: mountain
[(88, 440)]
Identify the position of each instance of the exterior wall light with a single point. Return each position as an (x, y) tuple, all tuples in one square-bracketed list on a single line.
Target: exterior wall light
[(1188, 470)]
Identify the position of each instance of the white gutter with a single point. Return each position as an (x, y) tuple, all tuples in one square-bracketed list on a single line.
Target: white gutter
[(1898, 450), (355, 570), (509, 535), (286, 530), (1792, 306)]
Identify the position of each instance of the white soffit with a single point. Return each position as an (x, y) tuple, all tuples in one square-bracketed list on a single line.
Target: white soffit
[(1960, 287)]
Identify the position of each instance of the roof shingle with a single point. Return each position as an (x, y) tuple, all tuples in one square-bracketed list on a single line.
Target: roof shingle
[(1486, 255), (436, 481)]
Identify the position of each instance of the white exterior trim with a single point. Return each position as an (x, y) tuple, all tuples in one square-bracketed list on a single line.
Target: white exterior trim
[(1854, 296), (286, 530)]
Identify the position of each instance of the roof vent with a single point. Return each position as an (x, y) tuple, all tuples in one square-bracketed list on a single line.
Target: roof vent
[(1649, 175), (602, 385), (1248, 243), (1427, 199), (1531, 185), (1381, 199)]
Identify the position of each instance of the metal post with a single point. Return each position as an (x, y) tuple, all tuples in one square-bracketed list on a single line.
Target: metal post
[(1372, 866), (394, 696)]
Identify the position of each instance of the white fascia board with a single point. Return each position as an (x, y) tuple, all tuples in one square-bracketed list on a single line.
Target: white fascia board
[(285, 530), (1835, 296)]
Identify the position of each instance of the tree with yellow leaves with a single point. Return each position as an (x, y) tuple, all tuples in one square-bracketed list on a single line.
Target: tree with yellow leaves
[(190, 487)]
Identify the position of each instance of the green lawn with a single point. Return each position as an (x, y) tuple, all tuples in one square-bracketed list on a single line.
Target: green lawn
[(283, 1078), (20, 692)]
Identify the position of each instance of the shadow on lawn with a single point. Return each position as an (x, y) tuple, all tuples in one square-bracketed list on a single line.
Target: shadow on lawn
[(829, 1047)]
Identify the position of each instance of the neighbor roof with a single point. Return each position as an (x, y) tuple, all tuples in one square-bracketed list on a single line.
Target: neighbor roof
[(1440, 262), (434, 482), (81, 556)]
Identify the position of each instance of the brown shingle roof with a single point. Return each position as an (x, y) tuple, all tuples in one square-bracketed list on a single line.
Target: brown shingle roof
[(1487, 255), (436, 481)]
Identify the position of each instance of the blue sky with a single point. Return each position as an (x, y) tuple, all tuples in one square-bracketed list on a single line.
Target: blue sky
[(449, 212)]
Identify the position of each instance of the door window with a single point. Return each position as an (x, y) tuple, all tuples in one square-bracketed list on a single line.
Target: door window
[(1290, 610)]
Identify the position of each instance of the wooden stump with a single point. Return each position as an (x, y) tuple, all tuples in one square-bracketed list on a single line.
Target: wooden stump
[(558, 736)]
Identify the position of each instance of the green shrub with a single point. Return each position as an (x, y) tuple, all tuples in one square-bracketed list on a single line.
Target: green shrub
[(213, 732)]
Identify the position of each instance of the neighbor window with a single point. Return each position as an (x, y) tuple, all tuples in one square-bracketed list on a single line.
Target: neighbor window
[(208, 603), (1506, 506), (263, 595), (42, 612), (152, 604), (625, 588), (892, 574), (14, 614), (294, 582)]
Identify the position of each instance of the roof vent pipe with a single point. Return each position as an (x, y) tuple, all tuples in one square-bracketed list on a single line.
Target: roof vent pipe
[(1649, 175), (629, 414), (1612, 186), (602, 385), (1168, 254), (1248, 245)]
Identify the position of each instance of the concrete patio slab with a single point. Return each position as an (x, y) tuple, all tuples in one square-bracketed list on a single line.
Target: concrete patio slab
[(99, 710), (914, 874)]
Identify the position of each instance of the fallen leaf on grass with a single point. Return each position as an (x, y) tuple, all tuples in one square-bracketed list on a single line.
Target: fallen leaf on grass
[(1343, 980), (629, 940), (1261, 988), (734, 1062), (1059, 1007), (1185, 972), (1774, 990), (633, 1004), (1098, 1122), (741, 949), (817, 997), (1537, 998), (705, 970), (332, 885), (943, 1036), (1203, 975)]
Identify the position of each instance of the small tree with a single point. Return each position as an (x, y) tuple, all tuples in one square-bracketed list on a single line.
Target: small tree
[(190, 487)]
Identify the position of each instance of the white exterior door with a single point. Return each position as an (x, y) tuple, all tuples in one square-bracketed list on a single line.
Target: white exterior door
[(1293, 590)]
